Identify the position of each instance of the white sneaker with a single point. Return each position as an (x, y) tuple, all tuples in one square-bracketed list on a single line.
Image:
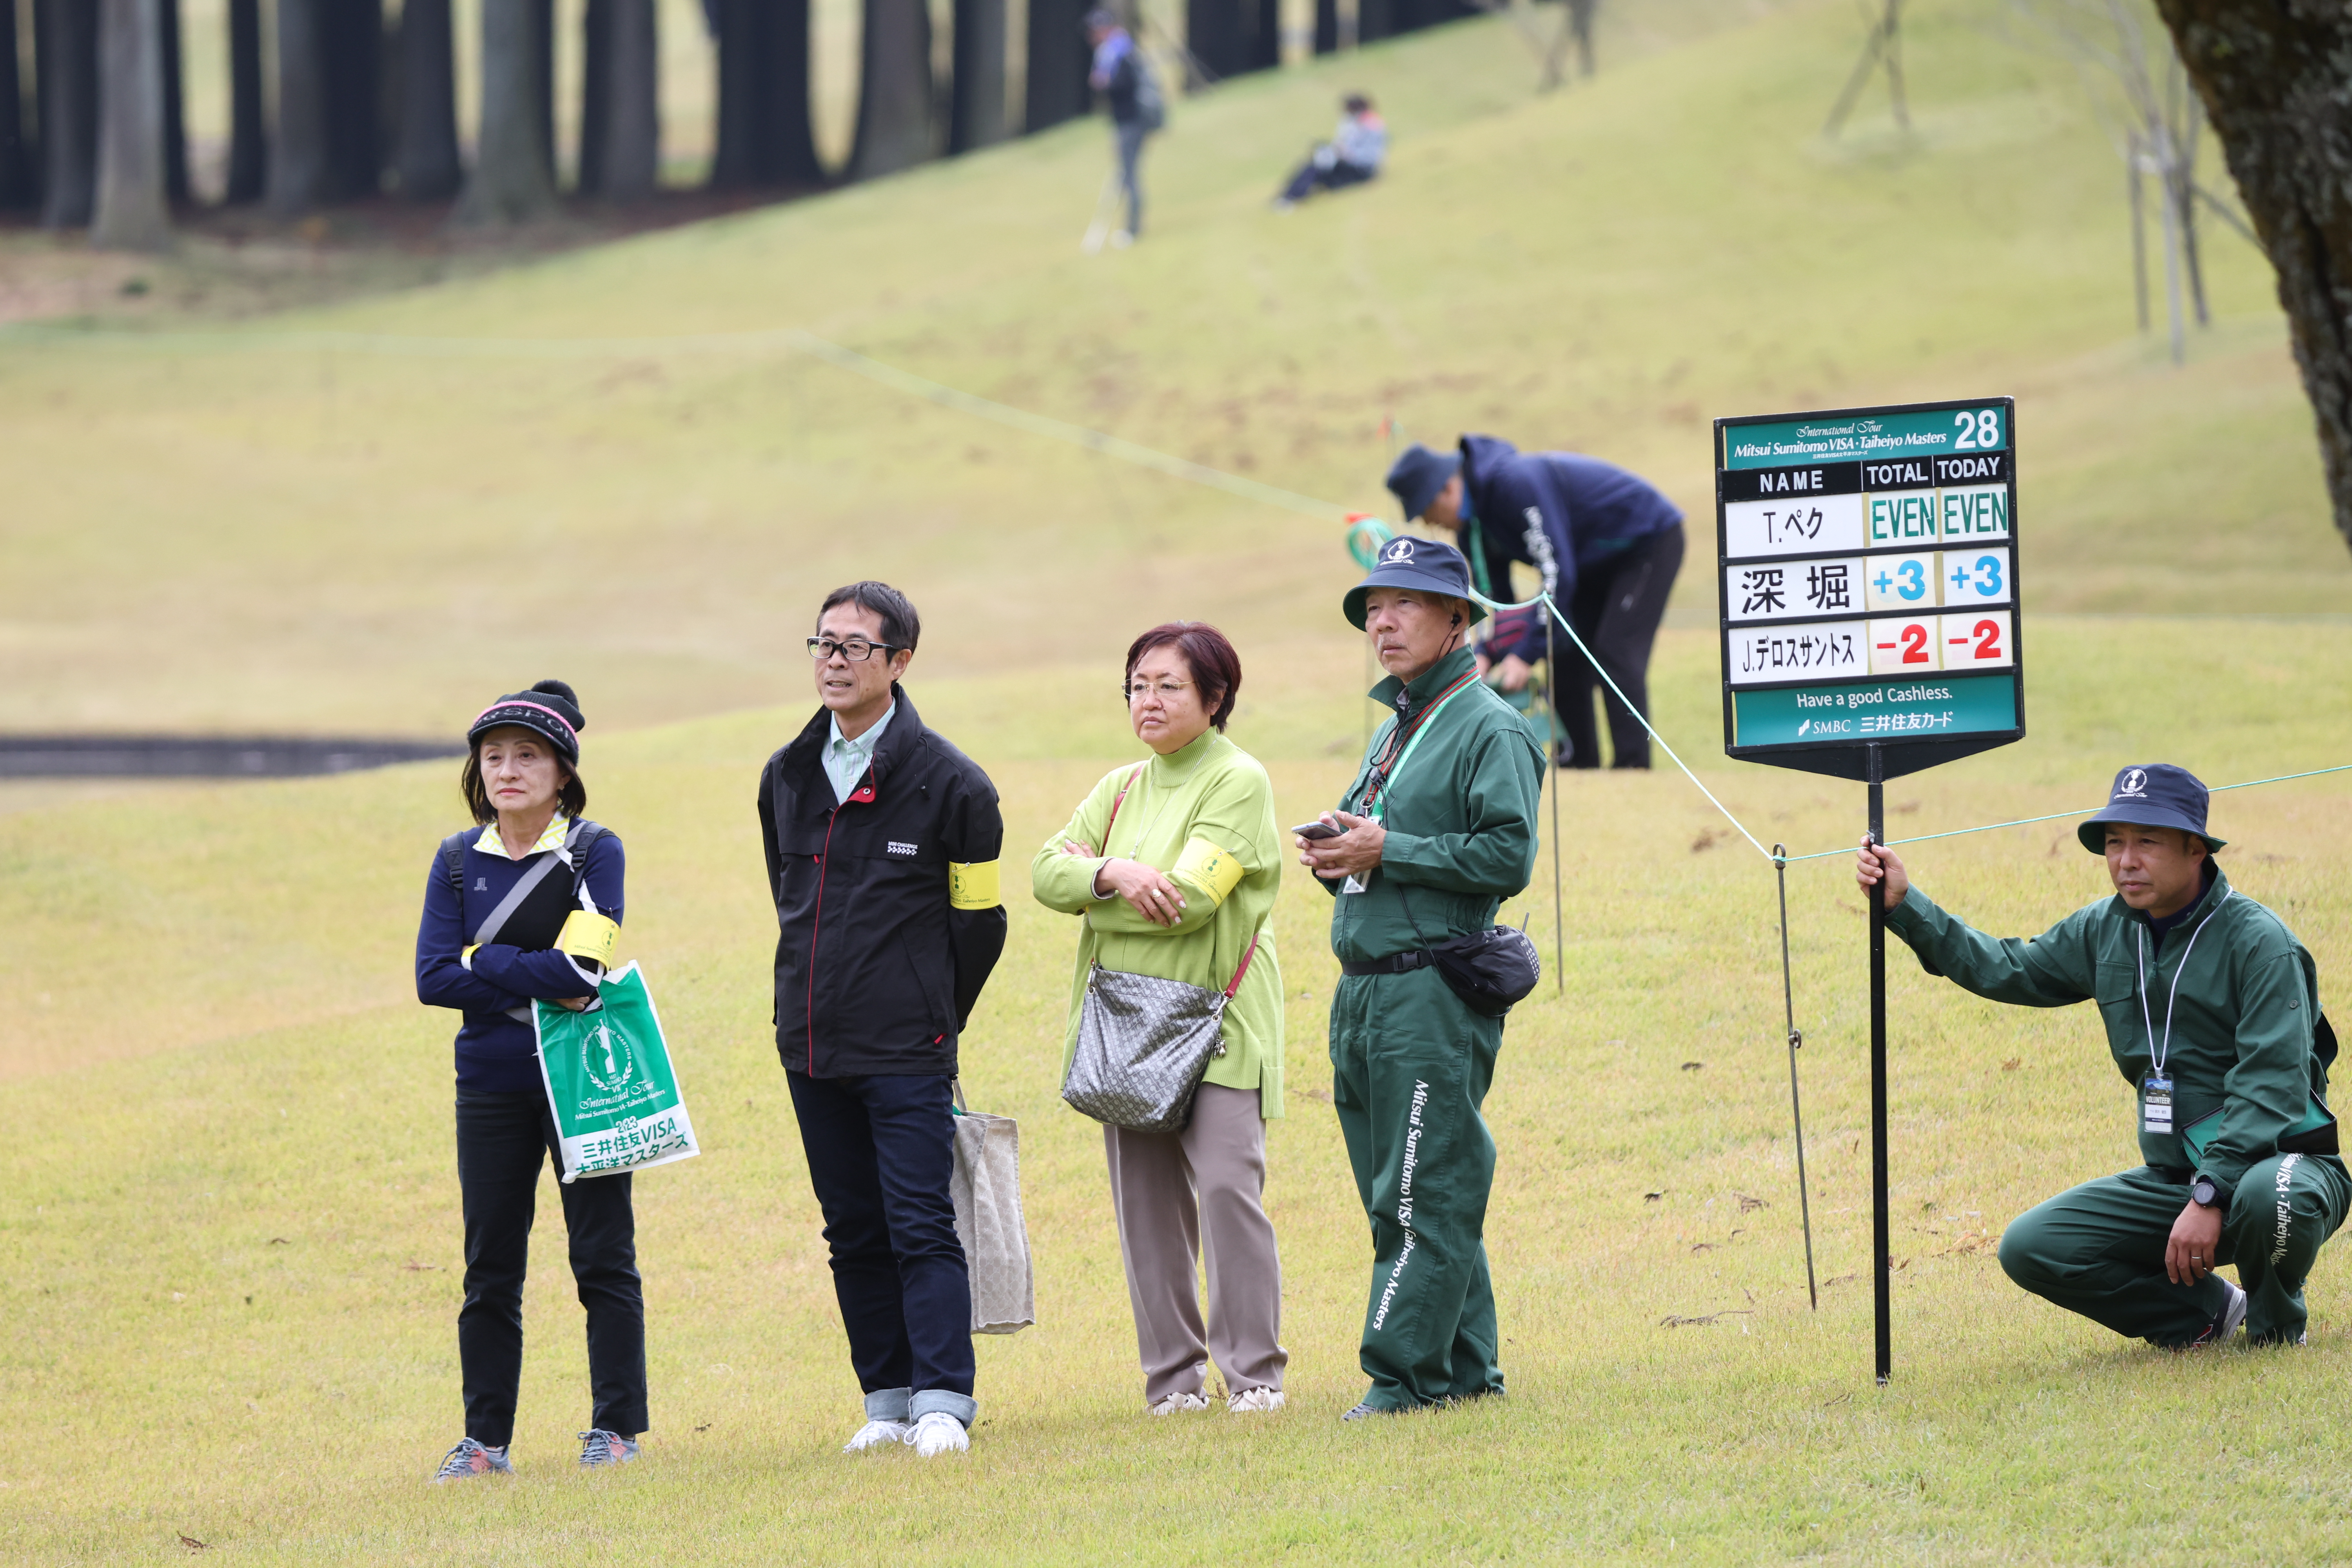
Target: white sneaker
[(1253, 1400), (1120, 239), (939, 1433), (874, 1433), (1179, 1404)]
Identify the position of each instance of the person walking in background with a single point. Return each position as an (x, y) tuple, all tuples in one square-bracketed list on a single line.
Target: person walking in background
[(1124, 77), (1606, 546), (513, 908), (882, 842), (1352, 156), (1173, 864), (1437, 829)]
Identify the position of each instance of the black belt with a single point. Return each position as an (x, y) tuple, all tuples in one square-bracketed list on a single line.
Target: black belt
[(1394, 963)]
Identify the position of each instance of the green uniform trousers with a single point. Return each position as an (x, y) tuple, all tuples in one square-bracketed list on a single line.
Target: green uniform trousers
[(2098, 1249), (1410, 1068)]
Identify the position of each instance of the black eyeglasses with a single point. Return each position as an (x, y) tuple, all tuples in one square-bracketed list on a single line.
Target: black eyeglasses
[(856, 649)]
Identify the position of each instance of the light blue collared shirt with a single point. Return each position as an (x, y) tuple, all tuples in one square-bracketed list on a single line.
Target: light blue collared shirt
[(845, 761)]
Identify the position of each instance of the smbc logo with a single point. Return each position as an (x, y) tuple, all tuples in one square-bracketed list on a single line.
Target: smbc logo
[(606, 1058)]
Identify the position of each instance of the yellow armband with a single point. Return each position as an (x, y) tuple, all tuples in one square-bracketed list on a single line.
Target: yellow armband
[(589, 936), (1212, 870), (973, 886), (466, 957)]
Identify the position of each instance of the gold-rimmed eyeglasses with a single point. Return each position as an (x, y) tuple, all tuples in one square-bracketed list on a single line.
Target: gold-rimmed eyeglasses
[(1166, 691)]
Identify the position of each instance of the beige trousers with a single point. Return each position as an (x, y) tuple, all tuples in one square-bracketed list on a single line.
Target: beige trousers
[(1173, 1190)]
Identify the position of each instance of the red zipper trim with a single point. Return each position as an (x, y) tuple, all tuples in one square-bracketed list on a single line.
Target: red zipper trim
[(816, 924)]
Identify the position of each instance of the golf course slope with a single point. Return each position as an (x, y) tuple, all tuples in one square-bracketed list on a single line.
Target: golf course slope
[(229, 1250)]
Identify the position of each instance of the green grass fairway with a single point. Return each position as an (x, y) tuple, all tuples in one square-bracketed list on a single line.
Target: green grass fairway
[(230, 1251)]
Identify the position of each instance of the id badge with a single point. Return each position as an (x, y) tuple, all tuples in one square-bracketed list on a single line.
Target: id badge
[(2156, 1103)]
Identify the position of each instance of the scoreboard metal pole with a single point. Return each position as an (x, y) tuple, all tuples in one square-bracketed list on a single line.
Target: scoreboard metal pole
[(1881, 1242)]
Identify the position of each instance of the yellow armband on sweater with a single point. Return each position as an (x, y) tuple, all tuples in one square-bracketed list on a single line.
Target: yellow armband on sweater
[(1212, 870), (973, 886), (591, 937)]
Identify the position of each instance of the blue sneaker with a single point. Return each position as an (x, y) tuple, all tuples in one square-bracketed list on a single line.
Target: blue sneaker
[(599, 1448), (2218, 1332), (469, 1459)]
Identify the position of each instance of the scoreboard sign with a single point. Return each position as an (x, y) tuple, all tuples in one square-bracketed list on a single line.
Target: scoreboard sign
[(1869, 598)]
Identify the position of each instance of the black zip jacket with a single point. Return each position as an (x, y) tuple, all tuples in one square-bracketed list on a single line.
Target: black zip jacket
[(876, 971)]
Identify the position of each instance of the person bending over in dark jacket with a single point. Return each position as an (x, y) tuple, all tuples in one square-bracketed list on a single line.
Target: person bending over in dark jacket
[(882, 843), (1604, 541), (520, 907), (2212, 1009)]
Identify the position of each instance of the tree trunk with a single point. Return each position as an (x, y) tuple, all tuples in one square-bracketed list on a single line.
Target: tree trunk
[(1376, 20), (894, 94), (977, 119), (1058, 58), (1212, 36), (2276, 78), (620, 127), (426, 163), (301, 169), (1261, 35), (352, 36), (542, 22), (1326, 26), (65, 46), (16, 188), (176, 189), (511, 182), (764, 134), (131, 212), (248, 136)]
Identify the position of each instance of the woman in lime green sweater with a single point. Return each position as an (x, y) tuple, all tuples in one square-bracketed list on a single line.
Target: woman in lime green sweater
[(1173, 863)]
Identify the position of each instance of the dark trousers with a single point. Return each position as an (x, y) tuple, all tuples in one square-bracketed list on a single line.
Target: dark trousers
[(2098, 1249), (501, 1139), (1616, 610), (1127, 135), (1313, 176), (880, 1151)]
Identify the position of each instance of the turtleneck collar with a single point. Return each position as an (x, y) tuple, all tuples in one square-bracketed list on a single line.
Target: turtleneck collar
[(1178, 764)]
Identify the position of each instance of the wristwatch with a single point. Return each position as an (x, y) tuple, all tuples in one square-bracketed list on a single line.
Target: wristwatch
[(2203, 1193)]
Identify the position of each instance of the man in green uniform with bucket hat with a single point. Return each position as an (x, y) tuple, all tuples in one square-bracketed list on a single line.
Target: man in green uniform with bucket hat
[(2212, 1013), (1438, 829)]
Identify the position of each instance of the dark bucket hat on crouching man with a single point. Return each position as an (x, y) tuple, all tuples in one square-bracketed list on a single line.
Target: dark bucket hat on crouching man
[(1425, 566), (2156, 795), (1418, 474)]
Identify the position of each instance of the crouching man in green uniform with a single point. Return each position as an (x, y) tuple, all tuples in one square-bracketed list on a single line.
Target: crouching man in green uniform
[(1437, 831), (2212, 1014)]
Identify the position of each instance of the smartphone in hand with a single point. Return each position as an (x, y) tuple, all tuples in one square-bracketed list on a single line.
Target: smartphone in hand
[(1320, 829)]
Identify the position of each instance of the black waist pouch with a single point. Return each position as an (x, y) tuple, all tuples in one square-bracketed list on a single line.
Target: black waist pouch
[(1490, 970)]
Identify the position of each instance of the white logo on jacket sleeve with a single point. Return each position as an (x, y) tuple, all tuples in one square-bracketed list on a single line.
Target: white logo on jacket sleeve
[(898, 848)]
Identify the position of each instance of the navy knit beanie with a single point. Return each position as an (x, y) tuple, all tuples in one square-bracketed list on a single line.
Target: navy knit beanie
[(549, 708)]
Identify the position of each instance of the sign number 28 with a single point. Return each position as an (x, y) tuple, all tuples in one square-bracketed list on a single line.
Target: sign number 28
[(1980, 431)]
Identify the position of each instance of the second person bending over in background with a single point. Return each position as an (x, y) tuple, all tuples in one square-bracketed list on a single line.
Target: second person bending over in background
[(1174, 863)]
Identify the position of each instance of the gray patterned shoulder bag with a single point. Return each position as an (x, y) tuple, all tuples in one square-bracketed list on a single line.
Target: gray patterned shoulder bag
[(1144, 1042)]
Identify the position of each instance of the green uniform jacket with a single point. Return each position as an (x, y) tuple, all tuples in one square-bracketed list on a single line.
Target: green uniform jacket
[(2244, 1034), (1460, 813), (1212, 791)]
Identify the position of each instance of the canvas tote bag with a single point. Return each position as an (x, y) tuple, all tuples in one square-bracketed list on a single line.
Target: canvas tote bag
[(986, 1188)]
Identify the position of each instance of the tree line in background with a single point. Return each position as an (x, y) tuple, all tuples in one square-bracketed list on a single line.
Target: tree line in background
[(92, 131)]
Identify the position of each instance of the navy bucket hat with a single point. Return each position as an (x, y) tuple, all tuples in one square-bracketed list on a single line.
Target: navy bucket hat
[(1418, 474), (1423, 566), (2157, 794)]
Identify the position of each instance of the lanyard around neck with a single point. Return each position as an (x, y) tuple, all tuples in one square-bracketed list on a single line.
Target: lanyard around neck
[(2156, 1054), (1377, 794)]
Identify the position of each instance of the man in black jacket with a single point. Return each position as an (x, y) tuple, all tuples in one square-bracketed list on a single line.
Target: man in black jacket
[(882, 843)]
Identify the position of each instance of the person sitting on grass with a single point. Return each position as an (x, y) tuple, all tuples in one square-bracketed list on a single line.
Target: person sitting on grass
[(1351, 157), (2226, 1053), (506, 922)]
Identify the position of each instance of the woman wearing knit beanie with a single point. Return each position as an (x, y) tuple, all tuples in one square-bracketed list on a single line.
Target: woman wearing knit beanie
[(504, 901)]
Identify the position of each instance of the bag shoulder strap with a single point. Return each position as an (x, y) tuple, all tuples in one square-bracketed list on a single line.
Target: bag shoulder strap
[(453, 860), (1119, 801), (1247, 954)]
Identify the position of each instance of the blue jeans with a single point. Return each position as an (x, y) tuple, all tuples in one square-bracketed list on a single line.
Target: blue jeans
[(1131, 134), (880, 1150)]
